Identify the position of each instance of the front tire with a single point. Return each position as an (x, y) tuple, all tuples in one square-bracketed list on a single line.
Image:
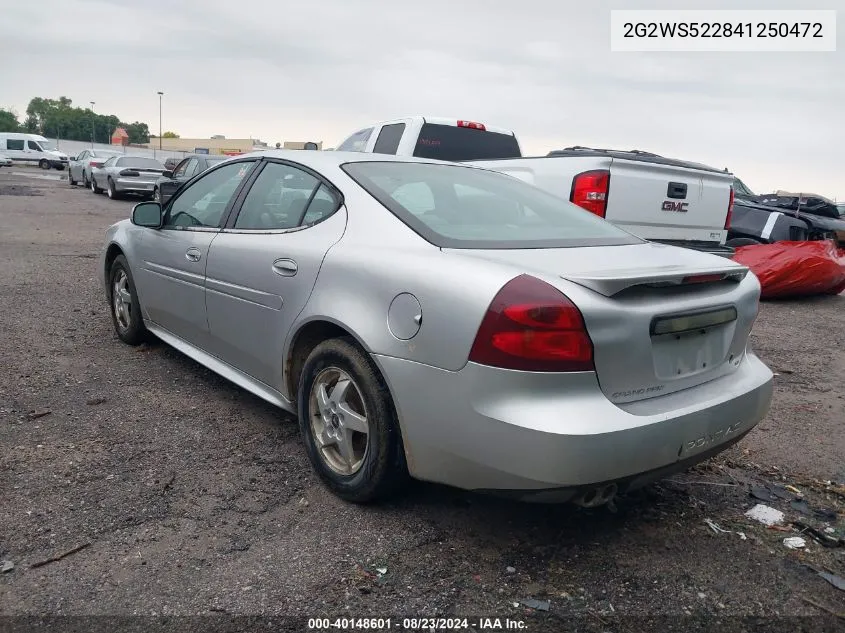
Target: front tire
[(85, 182), (125, 309), (349, 423), (70, 179), (44, 163)]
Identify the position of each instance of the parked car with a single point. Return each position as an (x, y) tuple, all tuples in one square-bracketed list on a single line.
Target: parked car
[(657, 198), (444, 321), (186, 169), (813, 203), (756, 222), (81, 165), (5, 161), (32, 148), (127, 174)]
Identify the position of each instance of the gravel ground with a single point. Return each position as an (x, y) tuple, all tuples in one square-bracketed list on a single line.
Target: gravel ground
[(191, 496)]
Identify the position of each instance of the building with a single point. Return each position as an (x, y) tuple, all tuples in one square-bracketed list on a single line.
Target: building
[(217, 145), (119, 137)]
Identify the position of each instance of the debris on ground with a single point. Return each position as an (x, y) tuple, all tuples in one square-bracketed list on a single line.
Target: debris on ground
[(801, 506), (39, 414), (720, 530), (510, 570), (794, 542), (824, 539), (539, 605), (95, 401), (55, 559), (765, 514), (381, 571), (833, 579), (6, 566)]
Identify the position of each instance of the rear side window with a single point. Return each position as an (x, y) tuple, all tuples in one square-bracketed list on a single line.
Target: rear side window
[(453, 143), (453, 206), (277, 199), (357, 142), (388, 139), (14, 144)]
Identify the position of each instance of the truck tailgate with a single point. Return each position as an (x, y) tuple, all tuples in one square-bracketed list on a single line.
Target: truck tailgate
[(666, 198)]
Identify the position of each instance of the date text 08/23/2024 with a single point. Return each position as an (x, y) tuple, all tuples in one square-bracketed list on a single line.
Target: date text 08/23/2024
[(491, 623)]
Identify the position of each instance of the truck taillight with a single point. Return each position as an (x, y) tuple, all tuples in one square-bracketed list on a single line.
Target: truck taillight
[(472, 124), (729, 217), (589, 191), (532, 326)]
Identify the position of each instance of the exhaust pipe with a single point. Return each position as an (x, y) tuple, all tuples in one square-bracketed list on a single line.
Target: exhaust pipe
[(595, 497)]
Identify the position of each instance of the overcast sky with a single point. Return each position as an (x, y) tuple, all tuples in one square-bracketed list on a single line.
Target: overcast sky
[(317, 70)]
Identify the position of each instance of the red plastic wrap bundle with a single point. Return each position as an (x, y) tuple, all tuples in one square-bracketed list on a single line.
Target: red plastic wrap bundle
[(795, 269)]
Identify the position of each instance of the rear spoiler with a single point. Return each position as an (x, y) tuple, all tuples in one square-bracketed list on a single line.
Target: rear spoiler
[(613, 282)]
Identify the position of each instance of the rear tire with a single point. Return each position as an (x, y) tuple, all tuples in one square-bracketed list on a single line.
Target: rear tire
[(376, 463), (125, 309), (111, 191), (742, 241), (94, 187)]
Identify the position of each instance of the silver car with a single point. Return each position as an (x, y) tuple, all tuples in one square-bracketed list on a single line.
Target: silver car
[(120, 175), (444, 321), (81, 165)]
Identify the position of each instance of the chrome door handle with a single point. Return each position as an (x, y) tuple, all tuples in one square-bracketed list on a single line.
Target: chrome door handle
[(193, 254), (285, 267)]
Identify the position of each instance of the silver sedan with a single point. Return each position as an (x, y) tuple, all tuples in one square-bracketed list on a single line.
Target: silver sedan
[(444, 322), (81, 165), (120, 175)]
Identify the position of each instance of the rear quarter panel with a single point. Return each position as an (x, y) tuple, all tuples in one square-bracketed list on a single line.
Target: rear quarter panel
[(378, 258)]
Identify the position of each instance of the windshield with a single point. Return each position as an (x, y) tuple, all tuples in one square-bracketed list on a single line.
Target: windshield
[(48, 146), (139, 162), (453, 206)]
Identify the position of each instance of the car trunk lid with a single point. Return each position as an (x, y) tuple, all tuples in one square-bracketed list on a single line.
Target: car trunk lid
[(660, 318)]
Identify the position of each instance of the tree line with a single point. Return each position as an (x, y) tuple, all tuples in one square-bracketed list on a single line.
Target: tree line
[(59, 118)]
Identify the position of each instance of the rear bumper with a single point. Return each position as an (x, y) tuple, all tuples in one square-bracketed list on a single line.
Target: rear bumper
[(126, 185), (545, 437)]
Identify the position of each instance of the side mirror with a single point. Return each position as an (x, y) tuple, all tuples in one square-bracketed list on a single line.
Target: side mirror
[(168, 174), (147, 214)]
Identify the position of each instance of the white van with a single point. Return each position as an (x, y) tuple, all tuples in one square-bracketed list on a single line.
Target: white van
[(32, 148)]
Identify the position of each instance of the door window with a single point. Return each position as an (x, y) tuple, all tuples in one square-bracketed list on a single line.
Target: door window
[(203, 203), (388, 139), (82, 156), (33, 146), (180, 169), (191, 168), (277, 199)]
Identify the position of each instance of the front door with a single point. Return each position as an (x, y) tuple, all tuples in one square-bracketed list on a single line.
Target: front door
[(171, 282), (263, 266)]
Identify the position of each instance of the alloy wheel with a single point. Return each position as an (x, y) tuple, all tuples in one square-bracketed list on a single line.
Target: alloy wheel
[(122, 300), (338, 420)]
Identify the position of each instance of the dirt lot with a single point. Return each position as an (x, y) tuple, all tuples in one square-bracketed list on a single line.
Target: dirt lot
[(195, 497)]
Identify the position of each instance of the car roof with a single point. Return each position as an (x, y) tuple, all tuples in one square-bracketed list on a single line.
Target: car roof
[(324, 159)]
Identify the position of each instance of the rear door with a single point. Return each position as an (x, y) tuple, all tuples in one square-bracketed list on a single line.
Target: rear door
[(665, 202), (171, 279), (264, 264)]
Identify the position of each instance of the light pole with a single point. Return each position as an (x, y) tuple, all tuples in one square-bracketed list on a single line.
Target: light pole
[(92, 124), (160, 94)]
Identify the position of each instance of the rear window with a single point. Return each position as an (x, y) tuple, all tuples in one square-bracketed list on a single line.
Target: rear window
[(453, 143), (453, 206), (139, 162)]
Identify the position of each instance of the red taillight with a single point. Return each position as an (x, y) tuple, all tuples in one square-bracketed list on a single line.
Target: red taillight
[(730, 210), (589, 191), (93, 164), (532, 326), (472, 124)]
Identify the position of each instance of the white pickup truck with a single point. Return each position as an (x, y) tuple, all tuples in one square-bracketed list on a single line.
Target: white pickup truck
[(659, 199)]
